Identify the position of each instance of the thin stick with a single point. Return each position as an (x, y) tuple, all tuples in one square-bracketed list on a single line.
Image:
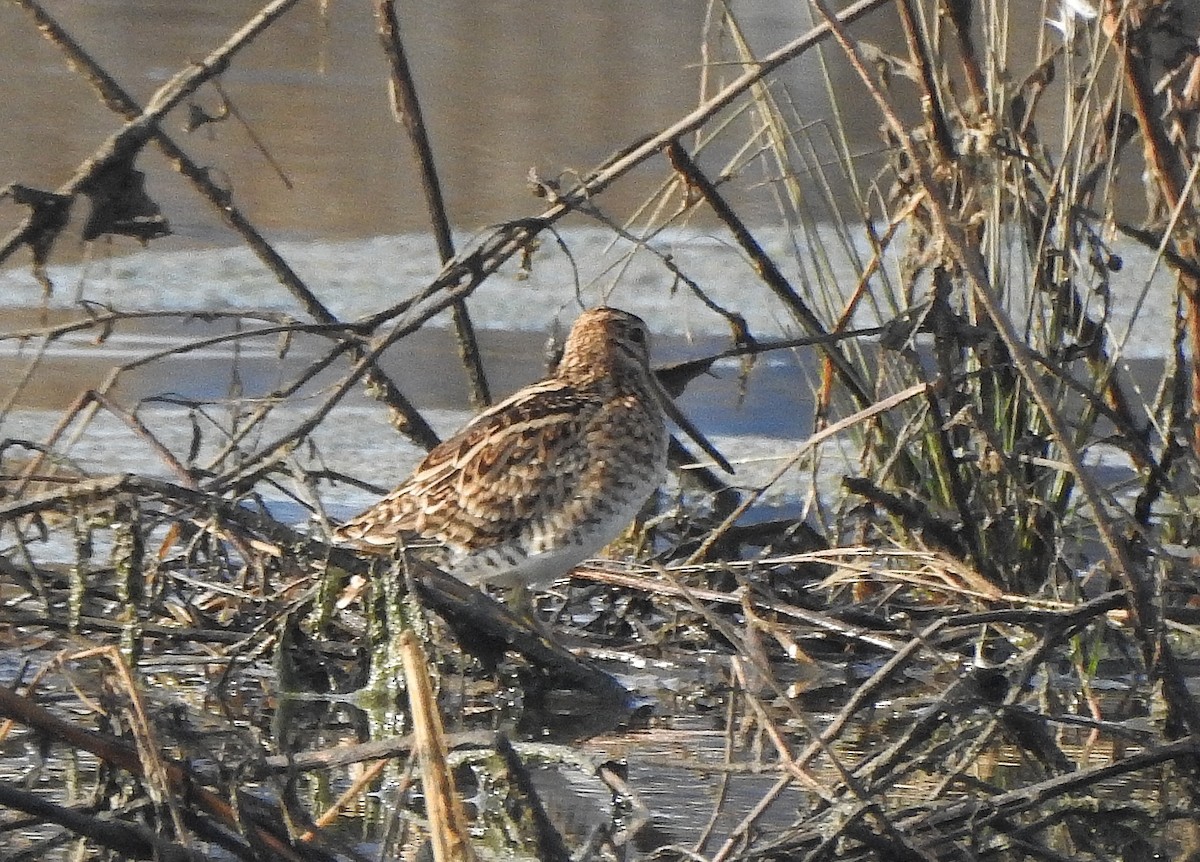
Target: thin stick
[(767, 270), (811, 443), (128, 141), (145, 124), (474, 265), (407, 107)]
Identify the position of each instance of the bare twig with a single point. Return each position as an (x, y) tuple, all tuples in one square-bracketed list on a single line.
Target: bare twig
[(144, 125), (407, 107)]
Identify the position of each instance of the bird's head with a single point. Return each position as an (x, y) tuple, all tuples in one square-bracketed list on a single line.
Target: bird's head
[(604, 340)]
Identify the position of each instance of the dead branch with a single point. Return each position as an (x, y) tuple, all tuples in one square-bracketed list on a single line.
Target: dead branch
[(407, 107)]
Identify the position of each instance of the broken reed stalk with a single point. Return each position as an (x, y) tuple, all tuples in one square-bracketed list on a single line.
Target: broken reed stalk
[(447, 820), (359, 787)]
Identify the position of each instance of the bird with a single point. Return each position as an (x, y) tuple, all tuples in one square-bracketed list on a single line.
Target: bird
[(543, 480)]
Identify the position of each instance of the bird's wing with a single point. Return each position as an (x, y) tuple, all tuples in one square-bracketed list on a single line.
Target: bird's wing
[(479, 486)]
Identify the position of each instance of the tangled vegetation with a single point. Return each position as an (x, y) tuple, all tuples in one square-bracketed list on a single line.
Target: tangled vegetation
[(974, 643)]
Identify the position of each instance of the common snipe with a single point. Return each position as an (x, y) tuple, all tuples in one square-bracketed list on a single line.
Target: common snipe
[(546, 478)]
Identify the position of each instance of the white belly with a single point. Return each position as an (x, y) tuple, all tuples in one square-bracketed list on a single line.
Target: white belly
[(540, 557)]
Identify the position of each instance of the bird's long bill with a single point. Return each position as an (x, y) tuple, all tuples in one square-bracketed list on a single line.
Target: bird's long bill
[(685, 425)]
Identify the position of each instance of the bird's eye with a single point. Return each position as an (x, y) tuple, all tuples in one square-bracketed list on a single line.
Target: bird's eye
[(638, 336)]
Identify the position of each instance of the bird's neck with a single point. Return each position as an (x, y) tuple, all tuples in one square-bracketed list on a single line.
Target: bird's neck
[(603, 372)]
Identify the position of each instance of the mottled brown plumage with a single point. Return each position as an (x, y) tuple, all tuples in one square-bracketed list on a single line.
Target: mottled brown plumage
[(544, 479)]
